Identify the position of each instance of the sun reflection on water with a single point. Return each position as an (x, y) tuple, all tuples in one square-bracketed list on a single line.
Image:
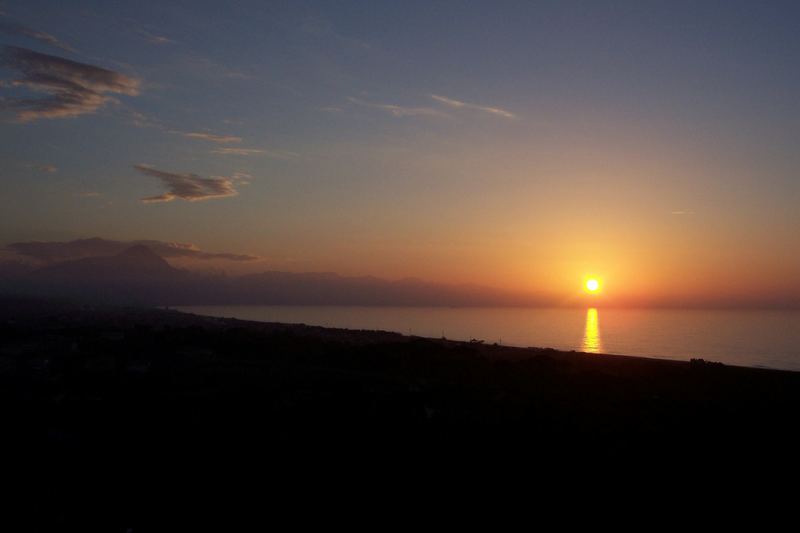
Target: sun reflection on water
[(591, 335)]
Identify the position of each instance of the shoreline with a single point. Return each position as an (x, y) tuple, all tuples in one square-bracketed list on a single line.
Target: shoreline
[(166, 314), (345, 330), (110, 382)]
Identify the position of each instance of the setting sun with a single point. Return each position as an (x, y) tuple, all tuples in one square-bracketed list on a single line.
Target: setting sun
[(393, 223), (592, 285)]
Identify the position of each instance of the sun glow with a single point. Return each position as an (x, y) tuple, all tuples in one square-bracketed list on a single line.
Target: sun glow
[(592, 285)]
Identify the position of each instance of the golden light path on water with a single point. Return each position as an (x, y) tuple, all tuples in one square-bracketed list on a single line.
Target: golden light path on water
[(592, 343)]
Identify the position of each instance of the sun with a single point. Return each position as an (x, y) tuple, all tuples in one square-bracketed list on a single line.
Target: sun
[(592, 285)]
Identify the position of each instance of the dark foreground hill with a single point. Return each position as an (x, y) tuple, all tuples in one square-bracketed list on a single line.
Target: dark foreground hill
[(128, 397)]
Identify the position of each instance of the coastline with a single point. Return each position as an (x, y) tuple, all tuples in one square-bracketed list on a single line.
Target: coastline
[(359, 380), (173, 316), (735, 338), (138, 392)]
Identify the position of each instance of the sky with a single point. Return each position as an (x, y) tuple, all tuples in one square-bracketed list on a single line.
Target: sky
[(521, 145)]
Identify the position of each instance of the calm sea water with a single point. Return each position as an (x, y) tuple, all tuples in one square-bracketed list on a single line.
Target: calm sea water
[(748, 338)]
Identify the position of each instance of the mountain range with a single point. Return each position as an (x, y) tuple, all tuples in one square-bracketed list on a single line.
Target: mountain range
[(139, 275)]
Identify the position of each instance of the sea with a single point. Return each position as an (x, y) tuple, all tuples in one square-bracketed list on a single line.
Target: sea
[(754, 338)]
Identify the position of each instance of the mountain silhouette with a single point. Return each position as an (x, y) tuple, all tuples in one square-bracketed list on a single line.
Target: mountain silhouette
[(135, 263), (135, 275), (139, 275)]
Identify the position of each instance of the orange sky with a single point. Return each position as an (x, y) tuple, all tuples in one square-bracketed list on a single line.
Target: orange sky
[(657, 150)]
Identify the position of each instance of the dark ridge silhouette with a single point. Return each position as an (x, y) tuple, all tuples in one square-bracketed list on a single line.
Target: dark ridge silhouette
[(53, 251), (135, 275), (11, 271), (139, 275), (135, 263)]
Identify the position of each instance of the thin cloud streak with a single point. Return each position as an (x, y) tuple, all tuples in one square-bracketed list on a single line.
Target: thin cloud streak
[(189, 187), (153, 38), (220, 139), (18, 30), (141, 120), (73, 88), (401, 111), (277, 154), (464, 105), (238, 151), (46, 168)]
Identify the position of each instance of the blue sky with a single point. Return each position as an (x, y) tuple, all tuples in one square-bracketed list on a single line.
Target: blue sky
[(508, 143)]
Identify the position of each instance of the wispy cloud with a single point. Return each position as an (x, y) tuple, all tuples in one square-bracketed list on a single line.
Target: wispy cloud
[(238, 151), (401, 111), (74, 88), (277, 154), (681, 213), (153, 38), (88, 194), (464, 105), (41, 167), (220, 139), (53, 251), (18, 30), (190, 187), (141, 120)]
